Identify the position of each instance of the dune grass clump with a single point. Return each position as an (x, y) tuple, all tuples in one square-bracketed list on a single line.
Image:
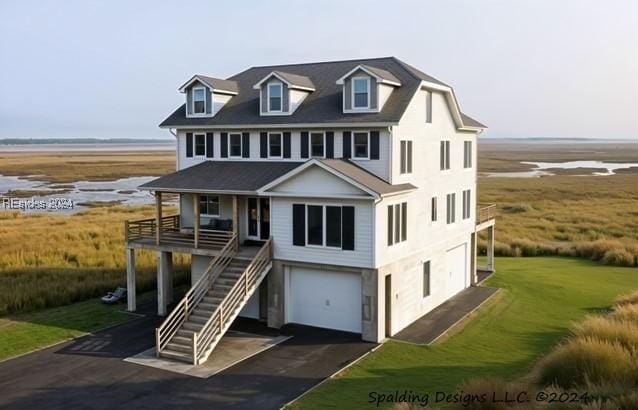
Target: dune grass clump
[(609, 329)]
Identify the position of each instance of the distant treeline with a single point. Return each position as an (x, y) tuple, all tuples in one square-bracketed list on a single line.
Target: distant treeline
[(33, 141)]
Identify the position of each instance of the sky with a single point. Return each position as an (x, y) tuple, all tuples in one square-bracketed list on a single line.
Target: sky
[(537, 68)]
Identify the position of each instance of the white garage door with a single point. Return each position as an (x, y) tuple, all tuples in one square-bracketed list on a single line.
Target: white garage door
[(324, 299), (457, 269)]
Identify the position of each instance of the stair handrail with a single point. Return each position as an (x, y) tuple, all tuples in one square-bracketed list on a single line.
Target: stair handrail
[(219, 318), (179, 315)]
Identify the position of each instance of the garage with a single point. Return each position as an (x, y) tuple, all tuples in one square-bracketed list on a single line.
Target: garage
[(457, 269), (324, 298)]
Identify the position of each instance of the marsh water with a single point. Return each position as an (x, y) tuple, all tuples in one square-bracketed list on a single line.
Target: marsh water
[(597, 168)]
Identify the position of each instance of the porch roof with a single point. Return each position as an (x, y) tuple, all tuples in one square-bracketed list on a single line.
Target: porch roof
[(222, 176)]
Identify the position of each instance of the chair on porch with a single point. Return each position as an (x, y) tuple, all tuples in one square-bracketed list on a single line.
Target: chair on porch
[(218, 224)]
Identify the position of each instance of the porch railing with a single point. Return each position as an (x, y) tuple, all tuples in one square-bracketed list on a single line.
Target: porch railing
[(171, 233), (485, 212), (228, 309), (185, 307)]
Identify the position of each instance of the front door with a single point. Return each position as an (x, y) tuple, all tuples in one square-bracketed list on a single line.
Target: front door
[(258, 218)]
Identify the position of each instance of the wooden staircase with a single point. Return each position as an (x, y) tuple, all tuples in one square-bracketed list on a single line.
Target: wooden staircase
[(199, 321)]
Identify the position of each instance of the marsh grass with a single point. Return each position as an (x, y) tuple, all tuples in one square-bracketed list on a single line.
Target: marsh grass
[(588, 217), (51, 260)]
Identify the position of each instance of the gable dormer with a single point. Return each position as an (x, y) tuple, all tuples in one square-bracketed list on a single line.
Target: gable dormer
[(205, 96), (282, 93), (366, 89)]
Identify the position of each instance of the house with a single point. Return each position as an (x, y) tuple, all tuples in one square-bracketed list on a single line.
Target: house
[(335, 194)]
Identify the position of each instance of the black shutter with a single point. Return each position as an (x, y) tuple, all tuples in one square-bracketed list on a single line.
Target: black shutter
[(347, 144), (374, 144), (347, 228), (263, 144), (330, 144), (286, 144), (189, 145), (245, 145), (223, 139), (304, 144), (298, 224), (210, 152)]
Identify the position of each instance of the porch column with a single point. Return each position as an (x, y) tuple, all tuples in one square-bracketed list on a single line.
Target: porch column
[(490, 248), (164, 274), (236, 222), (130, 280), (196, 217), (473, 260), (169, 277), (158, 216)]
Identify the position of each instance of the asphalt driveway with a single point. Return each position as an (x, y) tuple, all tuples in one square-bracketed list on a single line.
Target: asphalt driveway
[(89, 372)]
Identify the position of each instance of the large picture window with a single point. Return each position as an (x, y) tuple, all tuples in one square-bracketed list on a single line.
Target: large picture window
[(329, 226)]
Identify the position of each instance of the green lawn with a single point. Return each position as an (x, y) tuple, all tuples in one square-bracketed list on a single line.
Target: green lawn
[(26, 332), (539, 299)]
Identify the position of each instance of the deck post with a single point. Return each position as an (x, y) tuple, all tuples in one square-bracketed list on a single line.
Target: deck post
[(130, 280), (236, 222), (196, 219), (490, 248), (473, 260), (158, 217), (162, 281)]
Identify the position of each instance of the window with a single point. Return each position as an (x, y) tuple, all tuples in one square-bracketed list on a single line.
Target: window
[(451, 208), (209, 205), (274, 145), (315, 224), (435, 210), (235, 145), (199, 100), (466, 204), (406, 157), (200, 145), (331, 226), (361, 142), (397, 223), (445, 155), (426, 279), (317, 144), (360, 92), (275, 91), (467, 154), (428, 107)]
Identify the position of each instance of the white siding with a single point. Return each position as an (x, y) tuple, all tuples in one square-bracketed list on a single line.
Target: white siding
[(384, 93), (281, 229), (296, 98), (315, 181), (219, 100)]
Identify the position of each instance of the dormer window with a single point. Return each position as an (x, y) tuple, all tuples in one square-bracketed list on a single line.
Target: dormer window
[(361, 92), (199, 100), (275, 93)]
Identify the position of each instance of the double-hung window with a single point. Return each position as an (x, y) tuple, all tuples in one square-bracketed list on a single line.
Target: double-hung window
[(435, 210), (427, 290), (209, 205), (199, 100), (467, 154), (451, 208), (275, 92), (361, 92), (445, 155), (466, 204), (235, 145), (406, 157), (397, 223), (317, 145), (200, 145), (428, 107), (274, 145), (361, 145)]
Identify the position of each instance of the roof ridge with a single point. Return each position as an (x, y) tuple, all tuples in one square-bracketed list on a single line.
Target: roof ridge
[(408, 68), (323, 62)]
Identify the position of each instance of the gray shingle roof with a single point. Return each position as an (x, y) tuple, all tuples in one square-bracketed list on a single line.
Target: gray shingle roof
[(467, 120), (222, 176), (386, 75), (364, 177), (296, 80), (219, 84)]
